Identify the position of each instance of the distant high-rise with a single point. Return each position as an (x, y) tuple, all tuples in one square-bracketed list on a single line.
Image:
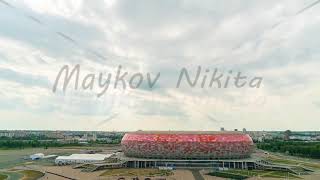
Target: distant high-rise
[(222, 129), (244, 130), (94, 137)]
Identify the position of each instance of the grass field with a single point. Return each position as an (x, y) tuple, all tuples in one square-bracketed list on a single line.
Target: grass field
[(136, 172), (3, 176), (280, 160), (279, 174), (12, 175), (228, 175), (256, 173), (31, 175)]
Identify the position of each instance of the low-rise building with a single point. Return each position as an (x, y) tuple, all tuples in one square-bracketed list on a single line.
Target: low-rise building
[(36, 156), (81, 158)]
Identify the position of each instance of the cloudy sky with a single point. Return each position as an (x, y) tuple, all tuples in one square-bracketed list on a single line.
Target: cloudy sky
[(276, 40)]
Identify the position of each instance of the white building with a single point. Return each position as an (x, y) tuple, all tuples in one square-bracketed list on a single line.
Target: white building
[(41, 156), (81, 158), (36, 156)]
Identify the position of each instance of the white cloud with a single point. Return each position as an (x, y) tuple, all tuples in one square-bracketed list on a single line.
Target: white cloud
[(162, 36)]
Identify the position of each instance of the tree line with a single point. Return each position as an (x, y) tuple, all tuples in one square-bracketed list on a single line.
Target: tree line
[(20, 144), (295, 148)]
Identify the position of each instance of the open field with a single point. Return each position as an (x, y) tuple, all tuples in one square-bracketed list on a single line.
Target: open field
[(115, 174), (31, 175), (14, 157), (3, 176), (262, 173), (20, 174), (11, 158), (12, 175), (292, 161)]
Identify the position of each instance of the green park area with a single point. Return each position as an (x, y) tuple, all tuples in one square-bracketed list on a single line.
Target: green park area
[(244, 174), (20, 174), (3, 176), (31, 175), (298, 162)]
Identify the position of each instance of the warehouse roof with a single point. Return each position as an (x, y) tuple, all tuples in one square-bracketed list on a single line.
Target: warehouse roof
[(97, 157)]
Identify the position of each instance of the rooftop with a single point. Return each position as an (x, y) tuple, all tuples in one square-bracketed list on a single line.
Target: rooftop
[(185, 132), (98, 157)]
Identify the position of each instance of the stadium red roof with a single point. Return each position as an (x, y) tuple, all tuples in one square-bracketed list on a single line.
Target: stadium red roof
[(186, 144)]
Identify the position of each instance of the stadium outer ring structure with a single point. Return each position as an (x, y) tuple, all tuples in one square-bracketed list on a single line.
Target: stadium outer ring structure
[(187, 145)]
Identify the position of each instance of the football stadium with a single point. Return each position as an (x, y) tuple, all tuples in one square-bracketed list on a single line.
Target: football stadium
[(143, 149), (187, 145), (169, 150)]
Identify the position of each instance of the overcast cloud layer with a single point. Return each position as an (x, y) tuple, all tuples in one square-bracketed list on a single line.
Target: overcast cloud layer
[(271, 39)]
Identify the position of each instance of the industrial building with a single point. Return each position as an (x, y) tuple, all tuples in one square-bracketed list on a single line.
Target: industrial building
[(36, 156), (81, 158)]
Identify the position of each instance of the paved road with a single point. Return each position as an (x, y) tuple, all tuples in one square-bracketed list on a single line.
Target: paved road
[(196, 174)]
